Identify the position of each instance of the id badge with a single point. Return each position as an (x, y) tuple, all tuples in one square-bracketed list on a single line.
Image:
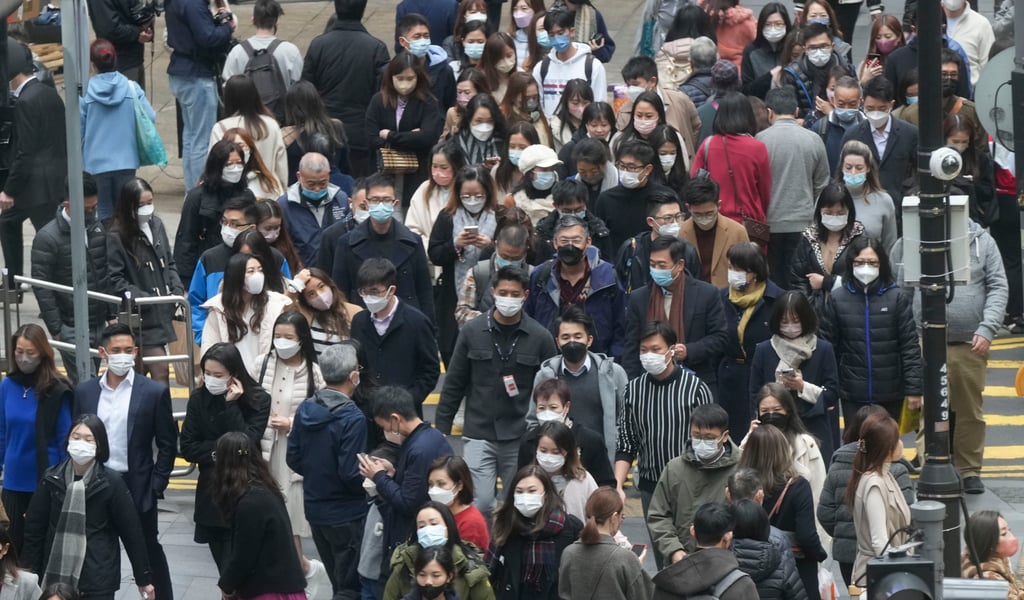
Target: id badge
[(510, 386)]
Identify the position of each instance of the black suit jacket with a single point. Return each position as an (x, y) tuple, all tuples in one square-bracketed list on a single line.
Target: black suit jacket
[(900, 155), (150, 420), (703, 323), (38, 158)]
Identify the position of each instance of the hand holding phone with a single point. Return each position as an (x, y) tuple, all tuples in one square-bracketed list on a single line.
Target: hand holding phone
[(639, 549)]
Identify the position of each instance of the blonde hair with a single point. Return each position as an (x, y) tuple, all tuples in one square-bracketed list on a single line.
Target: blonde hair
[(858, 148)]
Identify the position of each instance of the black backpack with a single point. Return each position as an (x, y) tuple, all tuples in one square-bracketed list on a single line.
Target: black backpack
[(266, 74), (588, 68), (715, 592)]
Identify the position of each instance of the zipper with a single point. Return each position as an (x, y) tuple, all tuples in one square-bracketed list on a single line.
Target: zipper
[(867, 336)]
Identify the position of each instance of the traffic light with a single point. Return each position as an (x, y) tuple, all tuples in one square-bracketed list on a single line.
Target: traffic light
[(901, 578)]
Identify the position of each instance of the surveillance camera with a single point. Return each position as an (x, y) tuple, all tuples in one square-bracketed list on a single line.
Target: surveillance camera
[(945, 163)]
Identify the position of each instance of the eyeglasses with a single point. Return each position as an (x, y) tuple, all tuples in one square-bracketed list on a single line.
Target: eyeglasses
[(380, 200), (373, 292), (706, 437), (629, 168), (575, 241), (819, 47), (865, 263), (666, 219), (471, 197), (950, 75)]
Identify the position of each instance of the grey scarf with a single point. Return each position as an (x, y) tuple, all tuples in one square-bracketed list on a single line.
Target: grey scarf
[(793, 352), (485, 221), (68, 551)]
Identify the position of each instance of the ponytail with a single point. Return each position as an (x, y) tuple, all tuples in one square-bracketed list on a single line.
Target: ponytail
[(590, 534), (603, 503)]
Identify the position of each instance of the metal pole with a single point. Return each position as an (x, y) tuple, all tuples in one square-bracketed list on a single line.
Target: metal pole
[(939, 480), (1017, 88), (928, 516), (73, 87)]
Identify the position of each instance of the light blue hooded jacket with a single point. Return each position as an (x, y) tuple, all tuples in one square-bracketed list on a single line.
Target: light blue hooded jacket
[(108, 123)]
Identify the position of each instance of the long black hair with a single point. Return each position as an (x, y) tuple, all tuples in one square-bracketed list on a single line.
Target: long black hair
[(486, 101), (239, 467), (234, 301), (306, 348), (216, 160), (261, 250), (573, 88), (227, 354), (242, 99), (305, 110), (834, 194), (125, 223)]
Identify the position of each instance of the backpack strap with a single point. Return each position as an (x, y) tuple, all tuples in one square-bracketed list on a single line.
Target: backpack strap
[(249, 50), (482, 272), (273, 46), (543, 276), (727, 582), (545, 64), (588, 67), (957, 106), (799, 81), (263, 369)]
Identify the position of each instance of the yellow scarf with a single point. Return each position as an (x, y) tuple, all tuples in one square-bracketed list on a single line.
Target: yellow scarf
[(747, 300)]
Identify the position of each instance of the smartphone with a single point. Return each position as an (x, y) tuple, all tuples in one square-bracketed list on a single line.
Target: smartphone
[(597, 39), (788, 371), (471, 229), (493, 159), (639, 549), (874, 57)]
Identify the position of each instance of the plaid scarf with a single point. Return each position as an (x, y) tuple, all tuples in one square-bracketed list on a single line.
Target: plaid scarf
[(68, 551), (539, 553)]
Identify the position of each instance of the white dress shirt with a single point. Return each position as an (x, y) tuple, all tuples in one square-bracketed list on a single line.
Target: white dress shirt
[(112, 409), (881, 138)]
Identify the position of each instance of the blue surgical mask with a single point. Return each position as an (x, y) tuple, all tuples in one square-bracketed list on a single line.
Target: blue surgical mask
[(315, 197), (855, 180), (432, 535), (543, 180), (845, 115), (382, 211), (473, 51), (501, 263), (820, 20), (561, 43), (543, 40), (418, 48), (513, 156), (911, 100), (662, 277)]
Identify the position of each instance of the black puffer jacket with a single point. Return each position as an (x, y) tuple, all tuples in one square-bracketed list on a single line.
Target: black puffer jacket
[(876, 343), (808, 259), (51, 261), (147, 269), (774, 574), (834, 515), (199, 229)]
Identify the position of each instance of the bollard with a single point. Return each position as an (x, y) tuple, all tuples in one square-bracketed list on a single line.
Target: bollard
[(928, 515)]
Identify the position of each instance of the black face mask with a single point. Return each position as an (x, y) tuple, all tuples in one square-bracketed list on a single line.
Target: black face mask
[(570, 255), (948, 88), (574, 352), (431, 591), (774, 418)]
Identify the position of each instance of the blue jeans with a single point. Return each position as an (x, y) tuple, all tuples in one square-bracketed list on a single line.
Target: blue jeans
[(198, 99), (109, 186)]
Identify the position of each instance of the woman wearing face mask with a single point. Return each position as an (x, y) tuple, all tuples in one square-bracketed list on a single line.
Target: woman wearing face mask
[(802, 363), (498, 62), (259, 178), (596, 566), (531, 530), (469, 50), (886, 36), (761, 58), (229, 400), (873, 495), (80, 516), (36, 403), (252, 242), (568, 115), (433, 194), (533, 194), (436, 527), (748, 301), (557, 453), (523, 13), (870, 322), (648, 114), (245, 310), (406, 117), (875, 209), (507, 176), (735, 28), (672, 157), (470, 83), (993, 546), (200, 226), (290, 373), (598, 123), (787, 498), (468, 12), (140, 261), (482, 132), (820, 258), (538, 42), (270, 224), (907, 93), (522, 105), (325, 307), (452, 485), (977, 176), (305, 116), (462, 231), (242, 103), (819, 11)]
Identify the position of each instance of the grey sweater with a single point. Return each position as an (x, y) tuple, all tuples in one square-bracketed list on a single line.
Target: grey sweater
[(877, 213), (978, 307), (799, 166)]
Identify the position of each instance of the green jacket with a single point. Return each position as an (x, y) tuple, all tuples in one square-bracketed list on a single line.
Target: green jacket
[(472, 579), (685, 484)]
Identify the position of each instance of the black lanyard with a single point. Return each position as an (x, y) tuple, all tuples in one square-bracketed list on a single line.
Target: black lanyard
[(497, 347)]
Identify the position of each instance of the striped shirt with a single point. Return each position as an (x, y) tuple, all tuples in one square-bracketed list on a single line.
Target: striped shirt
[(654, 423), (321, 339)]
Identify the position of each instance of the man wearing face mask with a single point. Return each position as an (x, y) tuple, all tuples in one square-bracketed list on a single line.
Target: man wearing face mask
[(808, 75), (496, 358), (578, 277), (312, 204), (799, 166), (328, 433), (137, 414), (972, 31), (624, 207), (893, 141), (567, 60), (952, 73), (570, 198), (594, 167), (360, 214), (383, 236), (708, 232), (51, 261), (413, 33), (641, 75), (399, 340), (696, 477), (846, 114), (665, 218), (399, 497), (511, 246)]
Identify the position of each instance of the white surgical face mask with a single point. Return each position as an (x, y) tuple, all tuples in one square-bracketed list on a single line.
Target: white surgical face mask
[(254, 283), (774, 34), (120, 364), (667, 161), (834, 222), (552, 463), (705, 223), (630, 181), (474, 205), (232, 173), (819, 58), (228, 235), (286, 348), (669, 230), (441, 495), (546, 416), (737, 279), (215, 385), (81, 451), (508, 307), (877, 118), (145, 213), (865, 274), (653, 363), (375, 304), (360, 215), (482, 131), (528, 504), (705, 450)]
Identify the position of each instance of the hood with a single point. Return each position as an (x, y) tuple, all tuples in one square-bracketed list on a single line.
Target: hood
[(695, 573), (736, 15), (757, 559), (677, 49), (974, 230), (582, 50), (323, 408), (436, 55), (109, 89), (293, 193), (728, 460)]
